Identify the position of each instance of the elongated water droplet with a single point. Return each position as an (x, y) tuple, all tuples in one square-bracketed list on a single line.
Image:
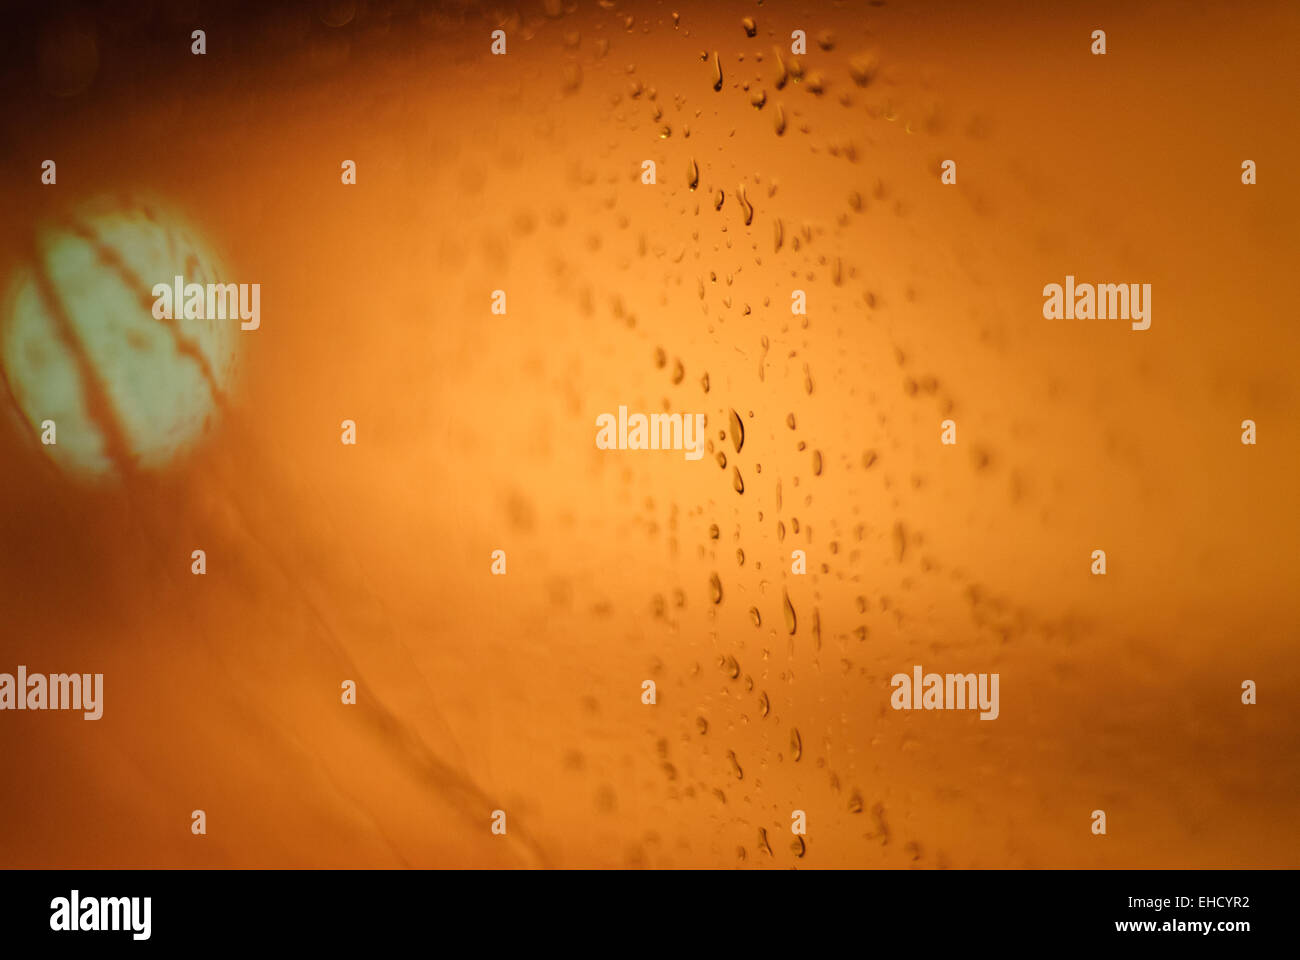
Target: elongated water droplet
[(715, 588), (750, 27), (693, 174), (796, 744), (790, 620), (817, 463), (736, 481), (764, 704), (737, 427), (746, 207), (717, 71)]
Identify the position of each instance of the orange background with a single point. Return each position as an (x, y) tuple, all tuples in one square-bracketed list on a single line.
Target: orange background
[(476, 432)]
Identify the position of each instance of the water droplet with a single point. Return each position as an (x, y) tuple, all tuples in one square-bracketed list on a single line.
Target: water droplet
[(736, 481), (702, 724), (714, 532), (735, 765), (717, 71), (693, 174), (817, 463), (882, 828), (863, 68), (715, 588), (746, 207), (764, 704), (571, 77), (779, 120), (790, 620), (797, 846), (751, 28), (756, 616), (737, 428), (796, 744)]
